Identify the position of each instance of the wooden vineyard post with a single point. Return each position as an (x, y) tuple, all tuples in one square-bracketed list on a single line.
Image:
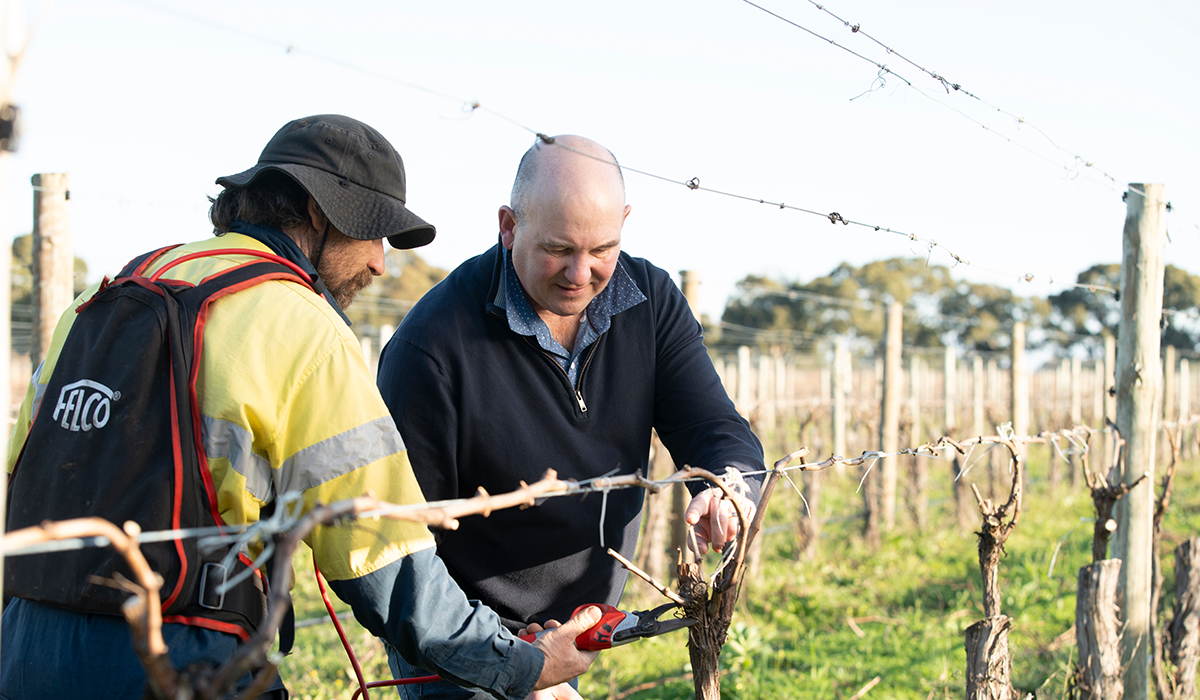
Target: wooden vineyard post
[(989, 666), (1019, 385), (1097, 631), (1076, 412), (1110, 394), (1185, 403), (841, 391), (889, 426), (1185, 628), (1168, 395), (744, 405), (653, 553), (949, 391), (994, 394), (1138, 382), (920, 465), (765, 394), (53, 259)]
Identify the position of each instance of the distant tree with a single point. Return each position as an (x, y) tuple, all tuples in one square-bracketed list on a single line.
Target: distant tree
[(22, 271), (21, 289), (388, 299), (1082, 314), (848, 301), (979, 317)]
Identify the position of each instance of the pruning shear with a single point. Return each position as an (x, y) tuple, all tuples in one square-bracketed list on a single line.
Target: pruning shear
[(617, 627)]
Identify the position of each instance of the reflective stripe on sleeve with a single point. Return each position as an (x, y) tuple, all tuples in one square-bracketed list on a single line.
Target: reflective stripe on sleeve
[(39, 389), (341, 454), (223, 439)]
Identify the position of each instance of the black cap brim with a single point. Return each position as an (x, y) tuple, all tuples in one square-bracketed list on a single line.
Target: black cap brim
[(358, 212)]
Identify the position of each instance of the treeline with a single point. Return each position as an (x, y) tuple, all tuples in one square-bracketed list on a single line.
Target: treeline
[(941, 311)]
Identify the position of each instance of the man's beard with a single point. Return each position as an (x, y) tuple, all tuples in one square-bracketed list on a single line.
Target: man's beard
[(346, 289)]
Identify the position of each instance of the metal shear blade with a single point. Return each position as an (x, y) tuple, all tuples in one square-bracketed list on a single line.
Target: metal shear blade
[(648, 625)]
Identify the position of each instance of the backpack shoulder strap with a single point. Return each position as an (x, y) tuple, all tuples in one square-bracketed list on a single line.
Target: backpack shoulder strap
[(139, 264)]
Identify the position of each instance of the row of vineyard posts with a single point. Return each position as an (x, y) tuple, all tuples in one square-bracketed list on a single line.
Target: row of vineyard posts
[(1130, 409), (1135, 402)]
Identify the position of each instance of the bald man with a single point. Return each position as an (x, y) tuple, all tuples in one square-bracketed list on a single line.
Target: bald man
[(556, 350)]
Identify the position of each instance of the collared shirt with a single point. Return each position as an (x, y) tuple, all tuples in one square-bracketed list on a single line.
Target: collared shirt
[(620, 294)]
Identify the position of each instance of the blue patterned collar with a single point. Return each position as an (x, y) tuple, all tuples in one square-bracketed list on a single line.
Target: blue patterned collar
[(620, 294)]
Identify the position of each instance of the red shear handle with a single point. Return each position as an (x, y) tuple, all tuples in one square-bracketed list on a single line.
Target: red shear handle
[(598, 637)]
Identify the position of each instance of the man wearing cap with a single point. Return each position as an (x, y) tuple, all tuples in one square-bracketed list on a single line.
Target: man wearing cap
[(287, 404), (556, 349)]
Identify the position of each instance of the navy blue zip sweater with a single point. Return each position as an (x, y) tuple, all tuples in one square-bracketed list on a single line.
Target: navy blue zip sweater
[(479, 405)]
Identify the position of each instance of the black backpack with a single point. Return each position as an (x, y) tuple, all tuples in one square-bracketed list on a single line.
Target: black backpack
[(117, 435)]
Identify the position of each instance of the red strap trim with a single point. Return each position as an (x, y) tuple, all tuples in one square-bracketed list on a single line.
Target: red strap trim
[(235, 251), (198, 351), (137, 271), (227, 627), (177, 496)]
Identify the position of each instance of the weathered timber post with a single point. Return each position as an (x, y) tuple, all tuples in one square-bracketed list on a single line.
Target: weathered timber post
[(977, 417), (1019, 398), (783, 405), (689, 282), (1110, 395), (1076, 412), (1097, 631), (1185, 389), (1137, 380), (996, 459), (652, 556), (1185, 627), (949, 386), (12, 46), (810, 518), (1098, 393), (1169, 383), (1168, 397), (765, 395), (743, 383), (889, 425), (53, 259), (841, 391), (920, 465), (5, 323), (1185, 403)]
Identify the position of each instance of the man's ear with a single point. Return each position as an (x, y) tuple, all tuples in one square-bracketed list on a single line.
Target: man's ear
[(508, 226), (315, 216)]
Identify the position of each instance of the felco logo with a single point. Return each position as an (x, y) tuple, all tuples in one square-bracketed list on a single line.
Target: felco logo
[(85, 405)]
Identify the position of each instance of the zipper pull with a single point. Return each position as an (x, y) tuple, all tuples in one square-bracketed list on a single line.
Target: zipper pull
[(579, 398)]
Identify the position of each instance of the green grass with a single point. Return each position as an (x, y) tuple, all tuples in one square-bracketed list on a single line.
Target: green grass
[(911, 601)]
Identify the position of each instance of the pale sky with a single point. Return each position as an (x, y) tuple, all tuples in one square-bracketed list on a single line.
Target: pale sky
[(145, 107)]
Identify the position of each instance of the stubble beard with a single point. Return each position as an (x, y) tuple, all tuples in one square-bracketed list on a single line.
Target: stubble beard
[(345, 290)]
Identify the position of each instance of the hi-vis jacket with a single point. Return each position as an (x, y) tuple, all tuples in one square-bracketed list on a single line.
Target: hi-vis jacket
[(287, 404)]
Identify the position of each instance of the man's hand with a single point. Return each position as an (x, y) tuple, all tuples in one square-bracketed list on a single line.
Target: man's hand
[(562, 691), (714, 520), (564, 660)]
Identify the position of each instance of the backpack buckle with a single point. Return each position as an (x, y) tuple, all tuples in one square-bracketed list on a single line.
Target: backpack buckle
[(212, 582)]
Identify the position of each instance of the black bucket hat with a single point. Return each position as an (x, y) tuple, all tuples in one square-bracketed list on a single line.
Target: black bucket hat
[(352, 172)]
